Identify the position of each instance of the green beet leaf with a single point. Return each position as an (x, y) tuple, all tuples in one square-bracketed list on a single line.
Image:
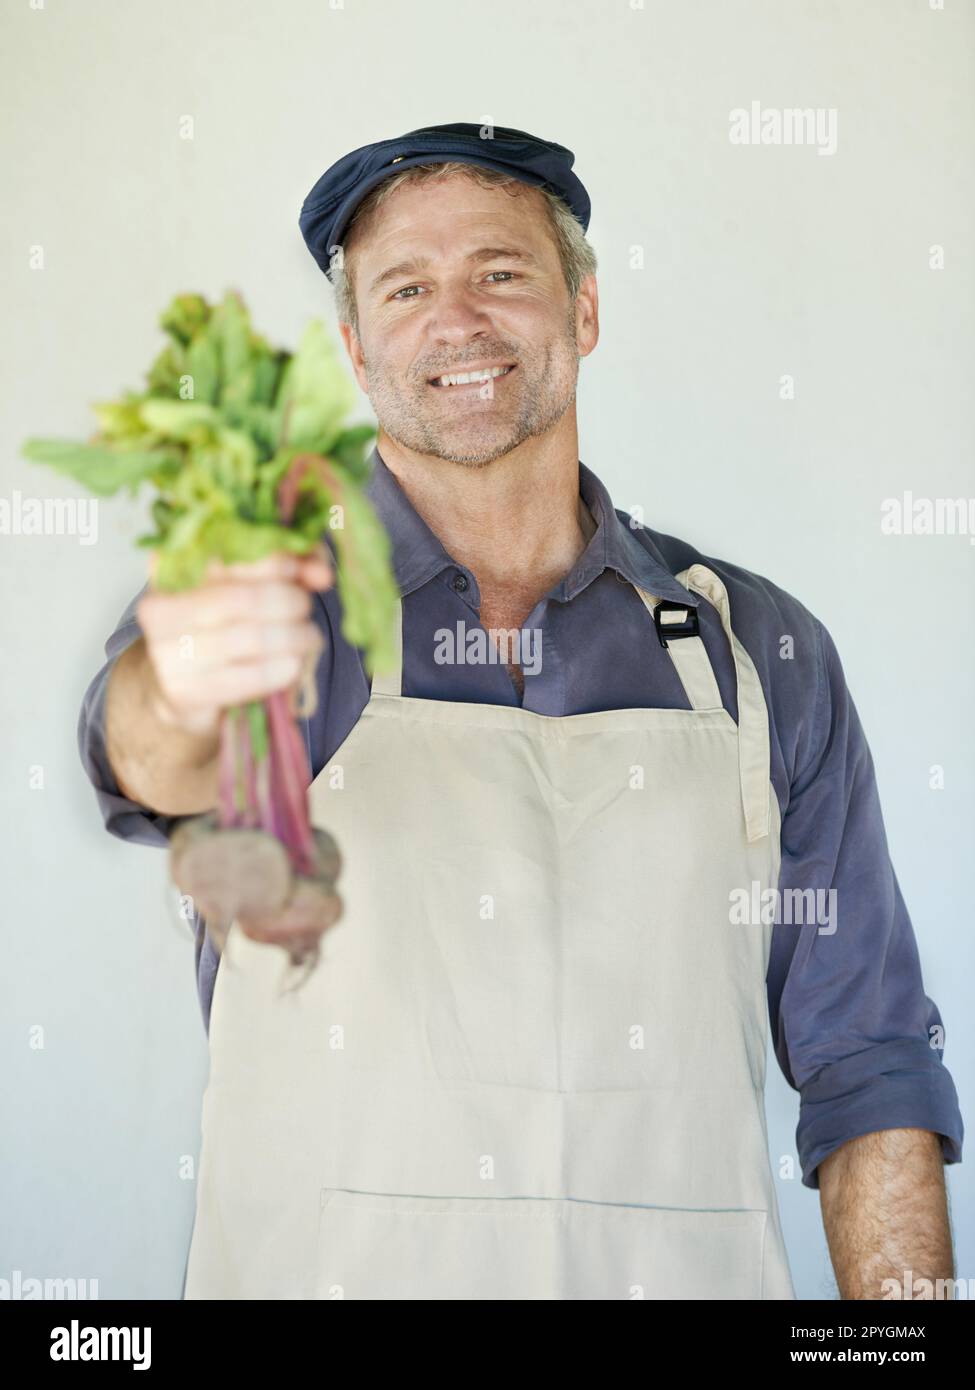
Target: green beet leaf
[(101, 468), (203, 370), (185, 317), (215, 433), (314, 396), (187, 421)]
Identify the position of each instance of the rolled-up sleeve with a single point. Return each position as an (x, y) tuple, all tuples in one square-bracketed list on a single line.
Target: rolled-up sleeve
[(854, 1031), (124, 818)]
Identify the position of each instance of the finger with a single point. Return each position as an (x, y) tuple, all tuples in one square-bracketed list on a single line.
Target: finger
[(237, 683), (219, 605), (317, 571), (202, 651), (282, 564)]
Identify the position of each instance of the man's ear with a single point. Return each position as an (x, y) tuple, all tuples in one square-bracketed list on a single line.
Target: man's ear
[(352, 346), (587, 316)]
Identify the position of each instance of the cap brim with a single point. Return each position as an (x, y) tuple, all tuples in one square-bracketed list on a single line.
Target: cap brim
[(341, 219)]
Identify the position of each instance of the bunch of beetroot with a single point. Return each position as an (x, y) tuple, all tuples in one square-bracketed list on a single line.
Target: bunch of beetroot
[(257, 859), (246, 875), (246, 448)]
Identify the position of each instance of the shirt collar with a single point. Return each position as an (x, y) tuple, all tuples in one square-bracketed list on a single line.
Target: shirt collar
[(621, 545)]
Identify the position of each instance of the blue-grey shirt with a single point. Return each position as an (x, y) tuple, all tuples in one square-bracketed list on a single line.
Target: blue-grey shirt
[(853, 1029)]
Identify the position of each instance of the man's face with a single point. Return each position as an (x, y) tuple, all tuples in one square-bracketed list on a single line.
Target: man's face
[(450, 277)]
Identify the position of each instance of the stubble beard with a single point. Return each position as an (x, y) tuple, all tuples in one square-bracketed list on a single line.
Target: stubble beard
[(477, 438)]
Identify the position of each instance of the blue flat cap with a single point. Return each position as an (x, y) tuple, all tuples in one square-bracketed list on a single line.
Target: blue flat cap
[(329, 207)]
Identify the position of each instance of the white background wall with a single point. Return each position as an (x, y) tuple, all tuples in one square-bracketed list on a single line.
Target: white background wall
[(759, 262)]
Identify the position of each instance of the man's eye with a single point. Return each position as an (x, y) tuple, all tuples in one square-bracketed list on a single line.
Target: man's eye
[(404, 294)]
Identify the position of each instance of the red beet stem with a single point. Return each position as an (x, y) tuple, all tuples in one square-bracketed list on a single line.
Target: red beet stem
[(289, 485), (251, 818), (289, 781), (240, 805)]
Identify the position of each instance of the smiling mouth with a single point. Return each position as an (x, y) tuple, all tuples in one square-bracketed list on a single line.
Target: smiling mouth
[(474, 378)]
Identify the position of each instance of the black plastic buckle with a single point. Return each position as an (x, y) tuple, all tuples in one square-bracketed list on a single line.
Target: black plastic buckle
[(688, 628)]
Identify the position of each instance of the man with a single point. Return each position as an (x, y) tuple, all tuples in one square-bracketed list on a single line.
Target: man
[(531, 1062)]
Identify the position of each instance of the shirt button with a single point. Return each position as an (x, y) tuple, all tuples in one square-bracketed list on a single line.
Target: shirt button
[(460, 582)]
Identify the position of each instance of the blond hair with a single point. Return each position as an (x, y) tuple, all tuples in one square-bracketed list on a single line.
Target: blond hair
[(577, 257)]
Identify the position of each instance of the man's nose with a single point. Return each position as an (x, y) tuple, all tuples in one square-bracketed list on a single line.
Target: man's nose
[(459, 313)]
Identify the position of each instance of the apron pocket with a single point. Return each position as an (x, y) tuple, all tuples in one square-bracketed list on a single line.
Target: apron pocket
[(376, 1245), (664, 1253), (381, 1245)]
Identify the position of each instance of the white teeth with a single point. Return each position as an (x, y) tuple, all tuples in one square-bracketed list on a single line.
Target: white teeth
[(465, 378)]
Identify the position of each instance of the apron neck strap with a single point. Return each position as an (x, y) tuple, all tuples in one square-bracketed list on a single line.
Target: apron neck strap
[(686, 650), (697, 677)]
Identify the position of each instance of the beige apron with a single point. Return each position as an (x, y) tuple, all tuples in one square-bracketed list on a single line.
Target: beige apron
[(531, 1062)]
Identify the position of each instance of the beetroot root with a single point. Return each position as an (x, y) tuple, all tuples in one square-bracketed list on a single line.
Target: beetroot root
[(229, 872), (328, 859), (312, 908)]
